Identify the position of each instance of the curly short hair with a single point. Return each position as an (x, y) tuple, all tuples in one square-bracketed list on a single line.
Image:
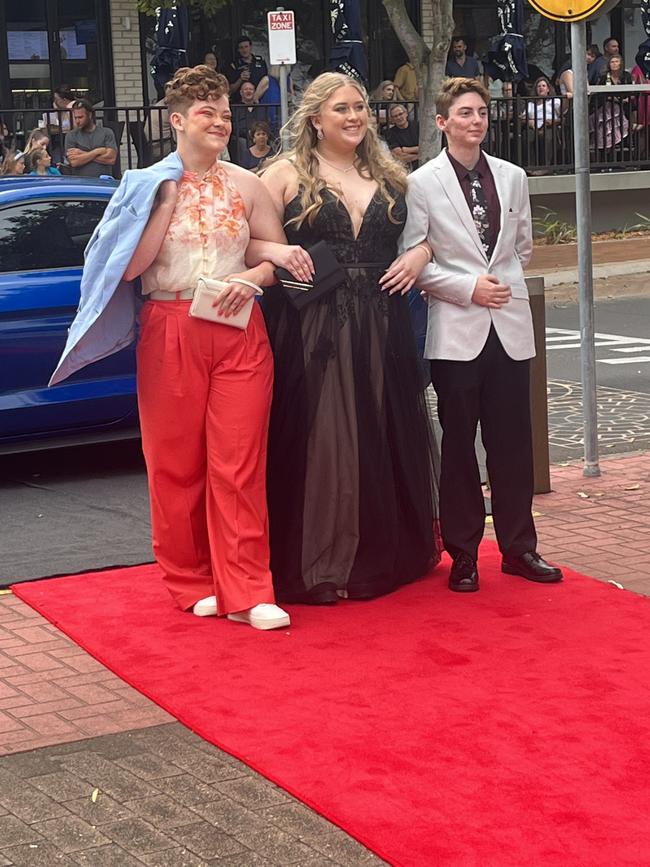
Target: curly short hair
[(453, 88), (191, 84)]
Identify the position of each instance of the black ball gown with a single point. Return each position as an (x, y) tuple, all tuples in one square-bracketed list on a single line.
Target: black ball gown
[(352, 463)]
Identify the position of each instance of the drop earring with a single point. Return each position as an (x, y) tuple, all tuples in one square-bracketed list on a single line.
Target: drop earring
[(319, 134)]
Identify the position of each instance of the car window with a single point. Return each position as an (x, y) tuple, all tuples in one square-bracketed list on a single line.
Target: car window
[(47, 234)]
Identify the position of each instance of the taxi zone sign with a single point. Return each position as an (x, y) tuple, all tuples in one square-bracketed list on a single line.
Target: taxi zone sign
[(282, 37)]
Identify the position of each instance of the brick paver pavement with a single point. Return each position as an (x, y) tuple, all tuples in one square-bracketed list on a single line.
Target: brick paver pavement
[(95, 774)]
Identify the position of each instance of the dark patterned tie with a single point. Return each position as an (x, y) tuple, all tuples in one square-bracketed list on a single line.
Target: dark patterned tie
[(479, 209)]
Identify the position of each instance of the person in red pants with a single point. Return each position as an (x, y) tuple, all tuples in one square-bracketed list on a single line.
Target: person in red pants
[(204, 388)]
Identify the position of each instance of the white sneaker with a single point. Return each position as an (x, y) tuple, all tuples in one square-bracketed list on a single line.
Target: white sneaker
[(262, 616), (206, 607)]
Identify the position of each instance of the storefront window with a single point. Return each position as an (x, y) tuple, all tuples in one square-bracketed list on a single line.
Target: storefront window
[(77, 30), (28, 51)]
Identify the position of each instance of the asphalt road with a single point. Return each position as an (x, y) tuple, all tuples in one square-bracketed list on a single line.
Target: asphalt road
[(622, 343)]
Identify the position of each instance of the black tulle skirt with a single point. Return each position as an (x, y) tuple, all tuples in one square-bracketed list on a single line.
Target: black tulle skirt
[(352, 462)]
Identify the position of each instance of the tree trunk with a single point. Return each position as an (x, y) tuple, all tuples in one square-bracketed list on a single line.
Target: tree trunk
[(428, 62)]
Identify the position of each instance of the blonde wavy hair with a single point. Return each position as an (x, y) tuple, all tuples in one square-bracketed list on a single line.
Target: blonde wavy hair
[(372, 161)]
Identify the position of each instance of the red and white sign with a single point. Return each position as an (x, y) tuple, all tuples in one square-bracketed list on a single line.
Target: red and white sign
[(282, 37)]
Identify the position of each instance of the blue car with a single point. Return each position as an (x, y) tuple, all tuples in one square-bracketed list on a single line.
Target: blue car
[(45, 224)]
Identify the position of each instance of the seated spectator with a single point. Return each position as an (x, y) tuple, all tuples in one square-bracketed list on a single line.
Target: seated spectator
[(380, 100), (13, 163), (403, 136), (544, 116), (244, 115), (258, 137), (459, 63), (90, 150), (406, 82), (38, 138), (39, 162)]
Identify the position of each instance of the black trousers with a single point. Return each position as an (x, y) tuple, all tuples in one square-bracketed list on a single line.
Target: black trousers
[(492, 389)]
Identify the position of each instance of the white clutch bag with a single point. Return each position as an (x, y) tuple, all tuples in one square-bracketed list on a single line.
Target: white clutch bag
[(208, 291)]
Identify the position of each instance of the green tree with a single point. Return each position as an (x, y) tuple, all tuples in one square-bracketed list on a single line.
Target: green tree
[(428, 60)]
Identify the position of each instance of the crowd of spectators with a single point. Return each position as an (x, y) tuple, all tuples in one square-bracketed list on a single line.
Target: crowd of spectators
[(530, 120)]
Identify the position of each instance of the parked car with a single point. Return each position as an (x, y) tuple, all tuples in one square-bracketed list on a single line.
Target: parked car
[(45, 224)]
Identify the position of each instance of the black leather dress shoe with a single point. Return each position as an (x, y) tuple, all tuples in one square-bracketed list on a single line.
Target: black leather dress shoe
[(532, 567), (463, 577)]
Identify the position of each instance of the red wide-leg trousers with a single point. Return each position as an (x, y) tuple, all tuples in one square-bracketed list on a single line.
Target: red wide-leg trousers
[(204, 395)]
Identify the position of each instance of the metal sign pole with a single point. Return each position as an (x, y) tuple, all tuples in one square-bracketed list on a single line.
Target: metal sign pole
[(284, 100), (585, 265)]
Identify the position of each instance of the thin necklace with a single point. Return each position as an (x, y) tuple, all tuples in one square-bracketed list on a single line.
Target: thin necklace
[(332, 166)]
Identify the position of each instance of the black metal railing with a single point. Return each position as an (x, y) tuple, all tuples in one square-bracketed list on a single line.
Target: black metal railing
[(533, 132)]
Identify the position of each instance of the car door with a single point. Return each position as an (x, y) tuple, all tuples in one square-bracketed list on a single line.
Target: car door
[(41, 257)]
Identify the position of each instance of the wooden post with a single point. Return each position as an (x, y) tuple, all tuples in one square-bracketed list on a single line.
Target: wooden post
[(538, 388)]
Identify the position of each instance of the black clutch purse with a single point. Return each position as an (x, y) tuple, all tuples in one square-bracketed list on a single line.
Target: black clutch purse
[(329, 274)]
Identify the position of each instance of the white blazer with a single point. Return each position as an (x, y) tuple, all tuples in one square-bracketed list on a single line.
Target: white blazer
[(437, 212)]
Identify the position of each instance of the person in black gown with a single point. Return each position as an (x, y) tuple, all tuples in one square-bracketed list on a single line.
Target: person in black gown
[(352, 461)]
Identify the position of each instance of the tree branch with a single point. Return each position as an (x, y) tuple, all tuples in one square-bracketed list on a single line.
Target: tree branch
[(411, 41)]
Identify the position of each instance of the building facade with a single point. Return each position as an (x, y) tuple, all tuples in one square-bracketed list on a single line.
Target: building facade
[(102, 48)]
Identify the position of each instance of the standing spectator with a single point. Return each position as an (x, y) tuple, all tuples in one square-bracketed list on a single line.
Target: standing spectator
[(13, 163), (642, 120), (244, 115), (39, 162), (268, 93), (162, 140), (595, 64), (406, 82), (611, 120), (597, 68), (259, 150), (59, 122), (564, 80), (543, 115), (403, 136), (90, 150), (246, 67), (211, 60), (459, 63)]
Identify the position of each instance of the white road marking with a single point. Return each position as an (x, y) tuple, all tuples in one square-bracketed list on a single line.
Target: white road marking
[(639, 359)]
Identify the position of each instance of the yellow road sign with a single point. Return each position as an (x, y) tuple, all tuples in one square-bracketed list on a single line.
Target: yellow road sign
[(572, 10)]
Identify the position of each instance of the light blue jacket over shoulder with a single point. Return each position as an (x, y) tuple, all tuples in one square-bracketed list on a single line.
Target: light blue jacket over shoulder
[(106, 317)]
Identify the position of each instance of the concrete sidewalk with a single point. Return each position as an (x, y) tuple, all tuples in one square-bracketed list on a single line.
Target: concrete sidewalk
[(95, 774)]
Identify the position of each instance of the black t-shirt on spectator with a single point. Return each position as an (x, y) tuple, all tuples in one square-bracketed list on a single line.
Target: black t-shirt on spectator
[(257, 68), (403, 138)]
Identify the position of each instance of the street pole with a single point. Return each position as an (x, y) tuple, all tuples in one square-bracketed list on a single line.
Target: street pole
[(585, 264), (284, 100), (284, 95)]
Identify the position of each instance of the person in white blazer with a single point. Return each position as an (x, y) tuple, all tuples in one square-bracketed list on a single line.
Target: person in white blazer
[(474, 212)]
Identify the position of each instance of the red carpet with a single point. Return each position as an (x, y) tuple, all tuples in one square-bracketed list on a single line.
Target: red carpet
[(507, 727)]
